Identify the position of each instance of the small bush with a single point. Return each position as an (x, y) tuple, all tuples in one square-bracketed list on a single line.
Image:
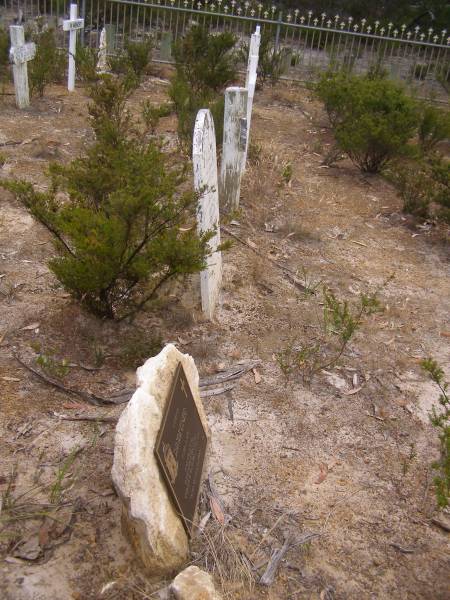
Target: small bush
[(86, 64), (440, 419), (424, 186), (133, 60), (271, 62), (434, 127), (4, 55), (49, 64), (372, 119), (204, 67), (152, 113), (117, 214)]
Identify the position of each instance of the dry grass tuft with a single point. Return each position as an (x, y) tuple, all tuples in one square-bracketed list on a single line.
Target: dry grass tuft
[(220, 553)]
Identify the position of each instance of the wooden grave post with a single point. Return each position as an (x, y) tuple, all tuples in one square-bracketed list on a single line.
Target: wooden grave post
[(73, 24), (234, 146), (20, 53), (205, 183), (250, 80)]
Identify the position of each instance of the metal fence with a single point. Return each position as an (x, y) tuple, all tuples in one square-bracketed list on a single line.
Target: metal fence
[(309, 44)]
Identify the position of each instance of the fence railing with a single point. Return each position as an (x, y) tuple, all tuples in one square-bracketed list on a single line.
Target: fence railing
[(309, 44)]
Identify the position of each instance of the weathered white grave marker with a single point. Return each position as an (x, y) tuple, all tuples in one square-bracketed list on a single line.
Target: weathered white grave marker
[(250, 80), (20, 53), (206, 184), (102, 61), (234, 145), (73, 24)]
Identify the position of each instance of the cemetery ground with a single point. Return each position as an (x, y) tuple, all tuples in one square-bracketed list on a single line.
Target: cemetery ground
[(346, 455)]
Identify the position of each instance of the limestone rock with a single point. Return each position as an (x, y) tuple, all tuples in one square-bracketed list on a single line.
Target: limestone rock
[(194, 584), (149, 517)]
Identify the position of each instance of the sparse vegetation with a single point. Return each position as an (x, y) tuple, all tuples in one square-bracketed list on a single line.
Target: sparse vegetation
[(133, 60), (440, 419), (340, 321), (4, 56)]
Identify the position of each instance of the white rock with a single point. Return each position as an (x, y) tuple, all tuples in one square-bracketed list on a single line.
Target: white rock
[(194, 584), (149, 517)]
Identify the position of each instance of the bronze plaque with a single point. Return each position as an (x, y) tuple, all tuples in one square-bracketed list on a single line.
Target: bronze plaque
[(181, 448)]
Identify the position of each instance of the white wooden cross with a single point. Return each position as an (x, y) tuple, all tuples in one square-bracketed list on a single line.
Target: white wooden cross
[(250, 80), (20, 53), (72, 25)]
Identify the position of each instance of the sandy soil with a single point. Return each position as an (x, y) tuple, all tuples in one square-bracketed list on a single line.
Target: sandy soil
[(288, 456)]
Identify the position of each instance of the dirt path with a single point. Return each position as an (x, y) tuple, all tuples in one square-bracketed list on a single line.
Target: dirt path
[(354, 468)]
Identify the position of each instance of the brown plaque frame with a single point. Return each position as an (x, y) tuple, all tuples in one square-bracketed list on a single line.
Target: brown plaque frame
[(168, 460)]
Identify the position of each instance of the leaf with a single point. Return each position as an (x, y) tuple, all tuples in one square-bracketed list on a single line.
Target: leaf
[(216, 510), (257, 376), (30, 327), (323, 474), (6, 378), (251, 244), (353, 391)]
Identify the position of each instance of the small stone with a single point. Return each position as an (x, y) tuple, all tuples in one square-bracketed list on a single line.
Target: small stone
[(194, 584)]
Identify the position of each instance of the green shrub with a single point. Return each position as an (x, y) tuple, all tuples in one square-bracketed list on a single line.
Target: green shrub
[(204, 65), (424, 186), (86, 64), (271, 63), (132, 61), (372, 119), (434, 127), (152, 113), (440, 419), (49, 64), (4, 55), (117, 214)]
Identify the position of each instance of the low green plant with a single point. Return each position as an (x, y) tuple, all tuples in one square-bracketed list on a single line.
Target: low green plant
[(424, 186), (4, 55), (271, 61), (152, 113), (53, 366), (49, 64), (286, 174), (440, 419), (133, 59), (137, 349), (120, 232), (373, 119), (204, 66), (86, 64), (57, 487), (340, 321), (434, 127)]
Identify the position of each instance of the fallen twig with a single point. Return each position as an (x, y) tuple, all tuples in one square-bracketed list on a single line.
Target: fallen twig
[(85, 418), (86, 396), (230, 374), (441, 524), (289, 273), (401, 549), (216, 391), (275, 560)]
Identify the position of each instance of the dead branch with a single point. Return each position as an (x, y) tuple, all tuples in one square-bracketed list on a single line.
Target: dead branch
[(98, 418), (229, 375), (289, 273), (86, 396), (216, 391), (275, 560)]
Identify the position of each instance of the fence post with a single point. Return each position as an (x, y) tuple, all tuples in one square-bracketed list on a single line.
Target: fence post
[(233, 149)]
